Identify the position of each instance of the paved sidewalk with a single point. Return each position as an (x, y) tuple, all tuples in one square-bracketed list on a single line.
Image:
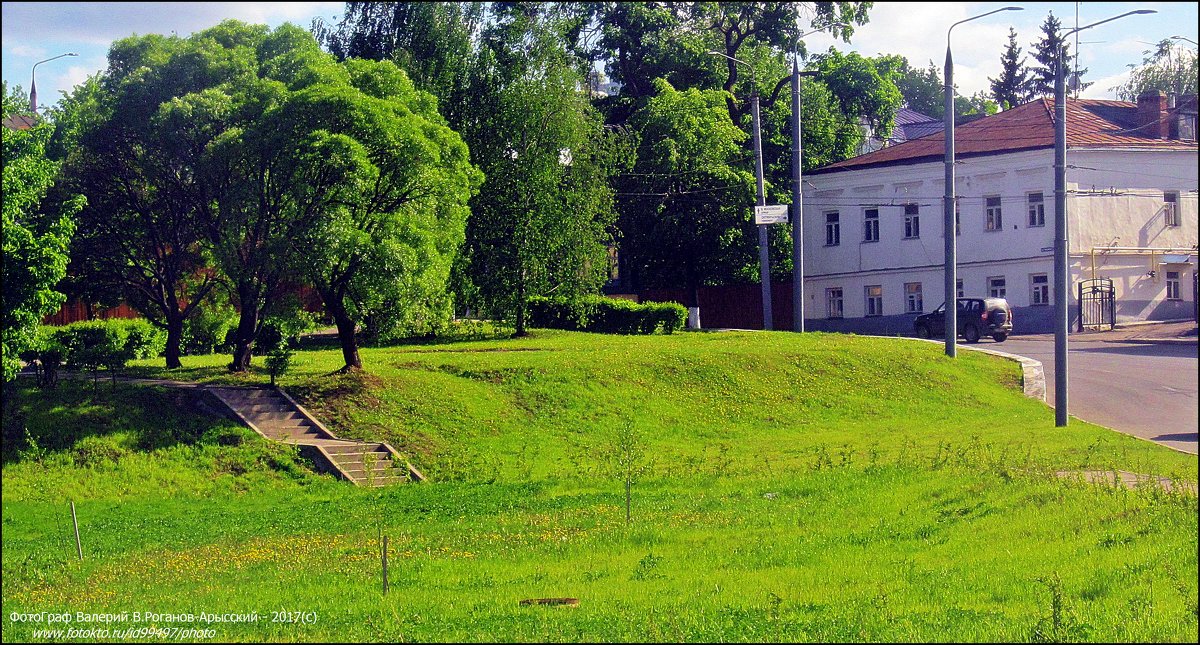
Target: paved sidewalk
[(1175, 333)]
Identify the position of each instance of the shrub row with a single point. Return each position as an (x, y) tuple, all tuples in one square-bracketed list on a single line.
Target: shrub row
[(96, 343), (606, 315)]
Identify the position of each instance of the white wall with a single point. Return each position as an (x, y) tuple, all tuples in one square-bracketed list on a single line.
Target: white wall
[(1016, 251)]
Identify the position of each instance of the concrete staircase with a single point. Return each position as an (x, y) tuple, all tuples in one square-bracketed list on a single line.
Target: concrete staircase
[(273, 414)]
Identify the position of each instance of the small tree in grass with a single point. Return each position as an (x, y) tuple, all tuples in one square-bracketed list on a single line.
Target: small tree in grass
[(279, 361), (627, 461)]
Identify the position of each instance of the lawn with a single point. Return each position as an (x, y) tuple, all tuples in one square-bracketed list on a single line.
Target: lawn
[(818, 487)]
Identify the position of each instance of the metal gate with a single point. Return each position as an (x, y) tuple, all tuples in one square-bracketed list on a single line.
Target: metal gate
[(1097, 304)]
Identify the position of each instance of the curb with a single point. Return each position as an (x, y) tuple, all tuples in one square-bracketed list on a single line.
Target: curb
[(1154, 341), (1033, 377)]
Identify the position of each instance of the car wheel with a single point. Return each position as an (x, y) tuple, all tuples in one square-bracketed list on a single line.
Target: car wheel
[(923, 331), (999, 338), (971, 333)]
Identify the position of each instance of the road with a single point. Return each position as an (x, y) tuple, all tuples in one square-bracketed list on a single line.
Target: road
[(1143, 389)]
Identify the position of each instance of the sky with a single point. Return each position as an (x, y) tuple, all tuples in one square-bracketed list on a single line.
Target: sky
[(34, 31)]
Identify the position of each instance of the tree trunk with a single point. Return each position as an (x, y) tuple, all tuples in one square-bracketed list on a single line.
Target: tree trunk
[(346, 333), (174, 341), (521, 305), (247, 325)]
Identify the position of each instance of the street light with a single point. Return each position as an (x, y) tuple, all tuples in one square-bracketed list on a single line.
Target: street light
[(33, 80), (764, 260), (1185, 38), (1060, 222), (797, 191), (951, 244)]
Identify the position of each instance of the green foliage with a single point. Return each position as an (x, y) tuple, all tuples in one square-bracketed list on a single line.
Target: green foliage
[(541, 222), (606, 315), (207, 329), (1169, 68), (142, 339), (108, 343), (1046, 51), (283, 326), (683, 205), (278, 362), (35, 238), (1013, 86)]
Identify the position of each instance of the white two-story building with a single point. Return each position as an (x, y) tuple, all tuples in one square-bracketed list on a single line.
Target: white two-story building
[(874, 251)]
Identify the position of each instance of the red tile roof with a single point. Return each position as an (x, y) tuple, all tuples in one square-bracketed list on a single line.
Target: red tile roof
[(1090, 123)]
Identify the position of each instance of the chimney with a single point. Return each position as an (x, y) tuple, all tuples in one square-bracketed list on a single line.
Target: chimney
[(1152, 114)]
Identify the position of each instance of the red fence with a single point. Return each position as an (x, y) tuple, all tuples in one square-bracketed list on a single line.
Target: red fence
[(735, 306), (75, 310)]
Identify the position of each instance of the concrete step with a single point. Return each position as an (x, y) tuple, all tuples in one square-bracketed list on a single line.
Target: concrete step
[(265, 408), (379, 472), (258, 418), (359, 463), (357, 448), (294, 435)]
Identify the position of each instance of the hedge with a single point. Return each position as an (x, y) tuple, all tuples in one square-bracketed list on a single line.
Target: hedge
[(100, 343), (606, 315)]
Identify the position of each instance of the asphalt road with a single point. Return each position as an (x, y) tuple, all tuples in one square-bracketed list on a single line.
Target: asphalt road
[(1143, 389)]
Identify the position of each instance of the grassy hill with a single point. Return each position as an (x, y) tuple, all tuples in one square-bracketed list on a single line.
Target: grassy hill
[(812, 487)]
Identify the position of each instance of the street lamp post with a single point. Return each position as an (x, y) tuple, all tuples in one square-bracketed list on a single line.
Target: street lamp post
[(950, 245), (1061, 294), (797, 189), (1185, 38), (33, 80), (764, 258)]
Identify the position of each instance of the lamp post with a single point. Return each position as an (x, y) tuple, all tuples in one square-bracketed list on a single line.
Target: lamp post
[(950, 245), (33, 80), (764, 259), (1061, 294), (1185, 38), (797, 189)]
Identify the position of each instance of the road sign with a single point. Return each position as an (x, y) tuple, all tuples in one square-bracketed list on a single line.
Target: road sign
[(774, 214)]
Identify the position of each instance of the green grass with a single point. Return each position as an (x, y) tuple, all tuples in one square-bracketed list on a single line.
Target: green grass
[(798, 488)]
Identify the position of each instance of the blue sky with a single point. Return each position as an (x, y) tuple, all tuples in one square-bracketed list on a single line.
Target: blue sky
[(34, 31)]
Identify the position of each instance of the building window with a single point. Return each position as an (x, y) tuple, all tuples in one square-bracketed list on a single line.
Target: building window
[(958, 288), (912, 221), (833, 303), (1173, 285), (1037, 210), (874, 295), (1171, 208), (994, 222), (996, 287), (871, 225), (912, 298), (1039, 289), (833, 230)]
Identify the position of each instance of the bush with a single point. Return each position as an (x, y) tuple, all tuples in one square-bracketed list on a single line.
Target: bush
[(283, 329), (279, 361), (206, 331), (606, 315), (47, 354), (103, 343), (142, 339)]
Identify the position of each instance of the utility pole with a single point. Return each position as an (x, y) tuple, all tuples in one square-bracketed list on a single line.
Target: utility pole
[(1061, 267), (950, 203)]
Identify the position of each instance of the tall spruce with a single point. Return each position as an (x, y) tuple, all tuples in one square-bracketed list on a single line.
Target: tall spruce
[(1045, 53), (1012, 87)]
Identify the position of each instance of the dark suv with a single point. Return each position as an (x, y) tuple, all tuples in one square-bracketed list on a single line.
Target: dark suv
[(976, 317)]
